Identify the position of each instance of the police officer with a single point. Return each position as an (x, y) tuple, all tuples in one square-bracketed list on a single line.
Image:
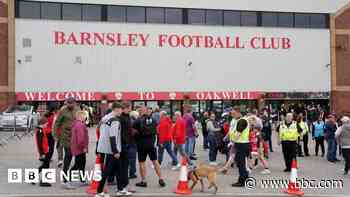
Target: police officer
[(240, 136), (304, 136), (289, 131)]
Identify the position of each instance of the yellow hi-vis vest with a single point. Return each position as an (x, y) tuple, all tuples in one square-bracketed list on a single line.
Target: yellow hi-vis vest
[(289, 133), (244, 136), (305, 128)]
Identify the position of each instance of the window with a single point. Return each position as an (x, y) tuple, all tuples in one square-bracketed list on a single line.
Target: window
[(116, 13), (51, 11), (302, 20), (232, 18), (173, 16), (29, 9), (196, 16), (71, 11), (318, 21), (285, 20), (92, 12), (155, 15), (136, 14), (269, 19), (213, 17), (249, 19)]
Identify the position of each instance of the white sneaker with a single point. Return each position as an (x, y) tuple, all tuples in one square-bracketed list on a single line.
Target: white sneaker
[(102, 195), (176, 167), (213, 163), (266, 171), (124, 192)]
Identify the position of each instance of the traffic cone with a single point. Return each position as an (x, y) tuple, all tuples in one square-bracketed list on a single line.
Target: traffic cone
[(182, 186), (94, 184), (293, 186)]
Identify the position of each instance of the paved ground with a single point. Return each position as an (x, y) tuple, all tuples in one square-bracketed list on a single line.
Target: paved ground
[(21, 154)]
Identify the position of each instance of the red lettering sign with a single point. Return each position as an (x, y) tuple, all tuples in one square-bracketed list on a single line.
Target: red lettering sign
[(96, 96), (136, 39)]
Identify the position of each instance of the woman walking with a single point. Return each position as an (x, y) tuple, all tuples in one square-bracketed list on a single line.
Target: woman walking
[(342, 136)]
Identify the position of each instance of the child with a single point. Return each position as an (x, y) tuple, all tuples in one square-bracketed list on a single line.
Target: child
[(256, 145), (43, 147), (79, 144)]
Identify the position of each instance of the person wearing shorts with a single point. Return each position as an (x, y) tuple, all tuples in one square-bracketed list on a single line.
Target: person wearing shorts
[(146, 145)]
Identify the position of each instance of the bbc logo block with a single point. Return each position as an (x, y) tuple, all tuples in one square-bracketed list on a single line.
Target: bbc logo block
[(14, 175), (48, 175), (30, 175)]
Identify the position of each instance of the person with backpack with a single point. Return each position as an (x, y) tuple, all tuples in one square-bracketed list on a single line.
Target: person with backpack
[(146, 145), (110, 144)]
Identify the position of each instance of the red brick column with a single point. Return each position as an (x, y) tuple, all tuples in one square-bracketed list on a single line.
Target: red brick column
[(340, 42), (7, 95)]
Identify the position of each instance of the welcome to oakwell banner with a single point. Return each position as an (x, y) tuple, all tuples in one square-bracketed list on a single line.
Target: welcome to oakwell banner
[(148, 96), (75, 56)]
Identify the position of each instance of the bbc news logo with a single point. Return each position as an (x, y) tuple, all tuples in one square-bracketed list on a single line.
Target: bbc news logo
[(32, 175)]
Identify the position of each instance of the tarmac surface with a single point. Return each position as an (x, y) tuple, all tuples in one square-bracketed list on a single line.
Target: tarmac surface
[(22, 154)]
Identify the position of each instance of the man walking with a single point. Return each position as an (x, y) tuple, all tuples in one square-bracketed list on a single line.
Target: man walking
[(304, 135), (330, 129), (146, 145), (110, 143), (165, 138), (126, 135), (204, 120), (64, 122), (191, 133), (289, 131), (240, 136), (179, 137)]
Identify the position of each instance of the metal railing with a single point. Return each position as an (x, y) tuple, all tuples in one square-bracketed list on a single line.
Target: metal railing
[(13, 134)]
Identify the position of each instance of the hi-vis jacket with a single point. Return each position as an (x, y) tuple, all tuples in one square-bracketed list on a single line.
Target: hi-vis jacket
[(288, 133), (243, 136), (304, 127)]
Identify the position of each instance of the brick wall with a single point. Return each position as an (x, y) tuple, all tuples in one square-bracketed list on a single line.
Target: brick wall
[(342, 21), (3, 9), (5, 96), (340, 95), (3, 54)]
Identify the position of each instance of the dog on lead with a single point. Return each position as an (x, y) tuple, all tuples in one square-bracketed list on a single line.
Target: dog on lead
[(204, 172)]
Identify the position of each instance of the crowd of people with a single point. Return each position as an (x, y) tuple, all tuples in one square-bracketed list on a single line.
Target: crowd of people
[(125, 136)]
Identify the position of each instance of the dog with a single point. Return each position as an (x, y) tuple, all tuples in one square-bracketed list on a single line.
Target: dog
[(201, 172)]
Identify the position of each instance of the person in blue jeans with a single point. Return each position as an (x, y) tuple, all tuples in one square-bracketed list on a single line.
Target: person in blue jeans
[(213, 130), (318, 135), (191, 132), (164, 131), (132, 151), (169, 149), (330, 129)]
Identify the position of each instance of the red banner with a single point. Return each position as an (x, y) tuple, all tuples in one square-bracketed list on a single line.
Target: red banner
[(147, 96)]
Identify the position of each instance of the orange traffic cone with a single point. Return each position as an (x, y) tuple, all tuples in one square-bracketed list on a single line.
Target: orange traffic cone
[(182, 186), (293, 186), (94, 184)]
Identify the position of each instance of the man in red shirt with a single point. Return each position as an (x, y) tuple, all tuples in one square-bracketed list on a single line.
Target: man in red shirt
[(179, 138), (165, 138)]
